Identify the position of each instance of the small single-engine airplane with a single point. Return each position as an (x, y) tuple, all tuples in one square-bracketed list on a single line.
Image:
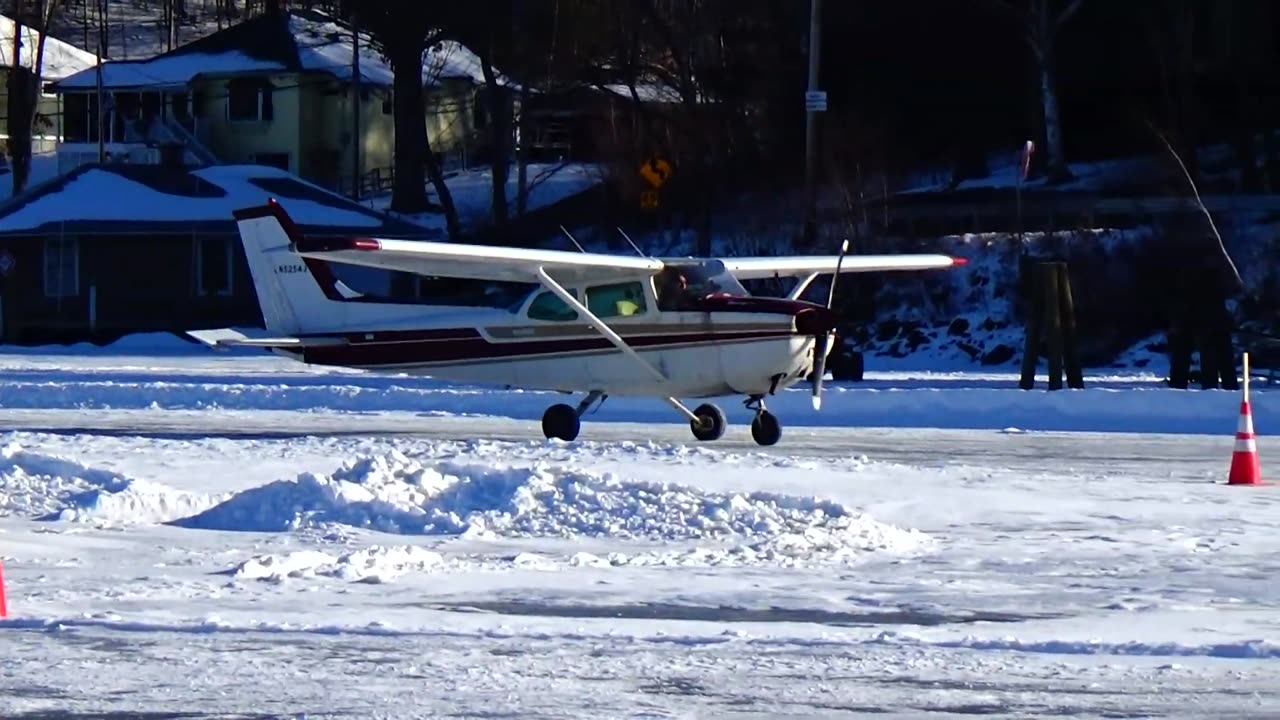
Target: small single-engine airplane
[(594, 323)]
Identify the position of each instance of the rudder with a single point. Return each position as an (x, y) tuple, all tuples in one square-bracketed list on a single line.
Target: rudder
[(290, 296)]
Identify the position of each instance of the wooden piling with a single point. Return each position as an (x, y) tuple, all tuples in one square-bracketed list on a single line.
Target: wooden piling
[(1070, 336), (1035, 315), (1051, 323)]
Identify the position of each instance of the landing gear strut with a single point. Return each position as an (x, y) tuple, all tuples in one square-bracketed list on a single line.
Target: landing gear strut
[(707, 421), (765, 428), (563, 421), (710, 424)]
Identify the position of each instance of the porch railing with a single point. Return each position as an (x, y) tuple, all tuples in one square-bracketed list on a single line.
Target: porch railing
[(73, 155)]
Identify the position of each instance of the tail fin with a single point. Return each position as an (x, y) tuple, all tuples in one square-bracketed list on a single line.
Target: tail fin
[(290, 289)]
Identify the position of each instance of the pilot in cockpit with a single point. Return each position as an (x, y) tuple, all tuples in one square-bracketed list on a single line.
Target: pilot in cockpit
[(675, 290)]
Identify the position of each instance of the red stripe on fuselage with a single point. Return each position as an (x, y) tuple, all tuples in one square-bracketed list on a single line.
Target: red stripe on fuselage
[(440, 346)]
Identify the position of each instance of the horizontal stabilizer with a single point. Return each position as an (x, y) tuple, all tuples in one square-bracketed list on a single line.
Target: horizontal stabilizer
[(226, 337)]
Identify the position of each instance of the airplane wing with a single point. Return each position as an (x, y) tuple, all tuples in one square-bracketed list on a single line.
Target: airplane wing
[(479, 262), (753, 268)]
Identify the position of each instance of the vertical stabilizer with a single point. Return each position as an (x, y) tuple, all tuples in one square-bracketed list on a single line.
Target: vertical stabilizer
[(290, 294)]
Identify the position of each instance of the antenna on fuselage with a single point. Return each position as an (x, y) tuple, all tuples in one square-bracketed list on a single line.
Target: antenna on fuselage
[(633, 245), (571, 239)]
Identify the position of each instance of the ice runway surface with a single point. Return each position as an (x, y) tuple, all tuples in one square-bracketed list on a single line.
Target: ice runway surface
[(253, 561), (1011, 447)]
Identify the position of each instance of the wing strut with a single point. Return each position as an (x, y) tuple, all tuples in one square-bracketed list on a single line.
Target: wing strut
[(603, 328), (803, 285)]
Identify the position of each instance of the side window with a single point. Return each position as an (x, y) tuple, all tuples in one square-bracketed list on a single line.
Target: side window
[(621, 299), (547, 306)]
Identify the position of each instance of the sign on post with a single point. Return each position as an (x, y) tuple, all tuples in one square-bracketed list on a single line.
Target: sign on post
[(656, 171), (815, 100)]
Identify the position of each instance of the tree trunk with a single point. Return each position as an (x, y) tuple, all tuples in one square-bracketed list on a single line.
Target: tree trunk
[(1058, 170), (174, 10), (19, 112), (22, 164), (522, 155), (499, 142), (409, 188), (414, 161)]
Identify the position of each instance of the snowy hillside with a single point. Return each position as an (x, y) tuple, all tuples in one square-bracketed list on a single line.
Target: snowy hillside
[(136, 28)]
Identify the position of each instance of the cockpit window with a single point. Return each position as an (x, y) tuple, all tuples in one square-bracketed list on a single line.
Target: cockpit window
[(548, 306), (681, 284)]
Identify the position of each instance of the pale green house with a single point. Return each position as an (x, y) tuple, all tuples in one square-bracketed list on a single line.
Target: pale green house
[(274, 90)]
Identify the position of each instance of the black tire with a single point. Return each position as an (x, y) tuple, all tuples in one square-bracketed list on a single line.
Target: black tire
[(713, 423), (765, 429), (561, 422)]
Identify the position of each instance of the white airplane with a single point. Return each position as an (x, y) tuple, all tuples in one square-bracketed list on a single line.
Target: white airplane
[(594, 323)]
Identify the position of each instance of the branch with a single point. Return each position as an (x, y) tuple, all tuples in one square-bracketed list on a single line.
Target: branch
[(1200, 204), (1066, 14)]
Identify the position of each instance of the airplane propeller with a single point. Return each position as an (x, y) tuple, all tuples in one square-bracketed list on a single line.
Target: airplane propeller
[(822, 342)]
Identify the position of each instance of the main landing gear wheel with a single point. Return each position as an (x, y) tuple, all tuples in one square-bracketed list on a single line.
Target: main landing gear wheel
[(765, 429), (710, 424), (561, 421)]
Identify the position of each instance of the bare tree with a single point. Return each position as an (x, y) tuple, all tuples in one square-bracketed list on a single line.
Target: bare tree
[(403, 30), (1041, 22), (24, 86)]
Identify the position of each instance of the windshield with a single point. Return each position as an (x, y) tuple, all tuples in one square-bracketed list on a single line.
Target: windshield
[(681, 283)]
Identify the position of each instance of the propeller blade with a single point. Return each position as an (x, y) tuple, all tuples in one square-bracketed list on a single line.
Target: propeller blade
[(822, 343), (831, 294), (820, 347)]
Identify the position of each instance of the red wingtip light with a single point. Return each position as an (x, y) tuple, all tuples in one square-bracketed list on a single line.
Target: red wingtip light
[(957, 261), (366, 244)]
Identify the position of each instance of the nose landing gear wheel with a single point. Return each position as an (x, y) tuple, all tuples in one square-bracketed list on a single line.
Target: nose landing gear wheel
[(561, 421), (765, 429), (710, 424)]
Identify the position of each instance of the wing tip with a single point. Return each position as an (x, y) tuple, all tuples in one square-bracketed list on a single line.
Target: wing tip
[(958, 261), (327, 244)]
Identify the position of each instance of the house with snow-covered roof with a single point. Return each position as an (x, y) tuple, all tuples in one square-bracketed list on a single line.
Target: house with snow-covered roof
[(108, 250), (276, 90), (58, 60)]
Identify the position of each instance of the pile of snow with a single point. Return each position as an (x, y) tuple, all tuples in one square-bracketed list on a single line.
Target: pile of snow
[(374, 564), (48, 487), (393, 493)]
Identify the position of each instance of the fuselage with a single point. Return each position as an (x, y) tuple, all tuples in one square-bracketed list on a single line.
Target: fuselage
[(707, 346)]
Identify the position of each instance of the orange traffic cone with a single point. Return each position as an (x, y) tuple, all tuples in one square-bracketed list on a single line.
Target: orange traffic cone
[(1245, 467), (4, 609)]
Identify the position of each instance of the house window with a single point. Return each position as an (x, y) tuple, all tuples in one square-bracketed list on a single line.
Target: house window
[(249, 101), (213, 260), (61, 267), (77, 119), (616, 300)]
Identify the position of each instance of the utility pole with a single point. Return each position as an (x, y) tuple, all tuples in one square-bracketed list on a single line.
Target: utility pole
[(17, 90), (102, 50), (355, 111), (815, 101)]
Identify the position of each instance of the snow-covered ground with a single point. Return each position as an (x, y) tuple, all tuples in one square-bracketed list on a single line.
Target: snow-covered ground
[(215, 535)]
